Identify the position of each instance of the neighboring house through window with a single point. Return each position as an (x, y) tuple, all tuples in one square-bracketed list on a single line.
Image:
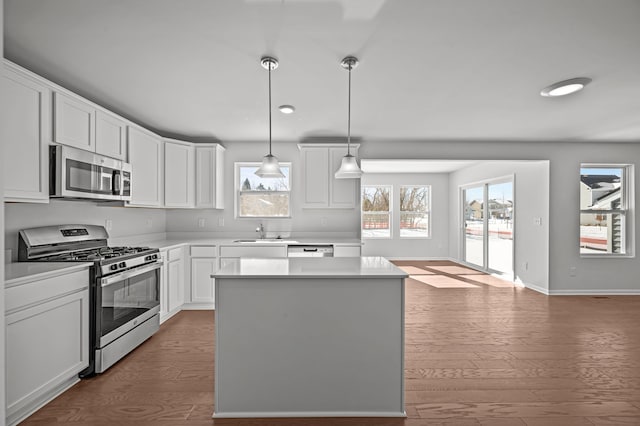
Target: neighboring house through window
[(605, 203), (258, 197)]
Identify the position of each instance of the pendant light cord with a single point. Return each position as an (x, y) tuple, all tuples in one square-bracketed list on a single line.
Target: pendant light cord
[(270, 64), (349, 117)]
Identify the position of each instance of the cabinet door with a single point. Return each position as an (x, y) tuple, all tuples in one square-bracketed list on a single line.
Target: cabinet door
[(178, 175), (343, 191), (73, 122), (110, 136), (175, 285), (25, 134), (145, 156), (206, 177), (346, 251), (46, 345), (315, 169), (202, 285)]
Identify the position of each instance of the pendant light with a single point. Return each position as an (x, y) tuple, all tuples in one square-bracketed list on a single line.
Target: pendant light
[(270, 167), (349, 168)]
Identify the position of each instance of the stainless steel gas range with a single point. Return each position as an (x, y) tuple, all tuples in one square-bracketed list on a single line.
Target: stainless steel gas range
[(124, 290)]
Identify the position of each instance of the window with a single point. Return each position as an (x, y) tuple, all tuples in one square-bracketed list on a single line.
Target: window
[(262, 197), (376, 214), (414, 211), (604, 209)]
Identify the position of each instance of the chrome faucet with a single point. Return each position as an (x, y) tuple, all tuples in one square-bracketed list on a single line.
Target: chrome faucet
[(260, 230)]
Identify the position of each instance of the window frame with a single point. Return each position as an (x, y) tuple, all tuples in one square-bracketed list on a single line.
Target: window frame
[(428, 236), (390, 212), (626, 210), (237, 190)]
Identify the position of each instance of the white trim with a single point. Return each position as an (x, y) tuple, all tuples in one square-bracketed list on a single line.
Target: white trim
[(40, 401), (260, 414), (591, 292)]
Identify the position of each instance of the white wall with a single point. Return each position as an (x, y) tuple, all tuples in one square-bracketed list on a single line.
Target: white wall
[(593, 275), (437, 246), (329, 222), (531, 180), (126, 221)]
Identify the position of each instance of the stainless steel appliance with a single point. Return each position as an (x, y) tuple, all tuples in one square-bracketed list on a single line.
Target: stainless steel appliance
[(124, 290), (310, 250), (75, 173)]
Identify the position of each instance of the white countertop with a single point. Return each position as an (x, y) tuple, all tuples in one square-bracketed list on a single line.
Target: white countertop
[(21, 272), (170, 243), (338, 267)]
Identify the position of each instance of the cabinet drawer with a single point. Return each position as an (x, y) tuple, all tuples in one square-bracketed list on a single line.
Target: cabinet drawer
[(41, 290), (203, 251), (175, 254), (252, 251)]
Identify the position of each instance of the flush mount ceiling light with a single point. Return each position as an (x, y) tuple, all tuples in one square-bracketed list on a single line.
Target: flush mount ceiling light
[(270, 167), (287, 109), (565, 87), (349, 168)]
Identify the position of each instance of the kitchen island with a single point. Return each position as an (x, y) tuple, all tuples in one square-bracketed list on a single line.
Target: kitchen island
[(309, 337)]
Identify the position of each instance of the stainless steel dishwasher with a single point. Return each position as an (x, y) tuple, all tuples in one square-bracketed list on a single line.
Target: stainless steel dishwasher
[(310, 250)]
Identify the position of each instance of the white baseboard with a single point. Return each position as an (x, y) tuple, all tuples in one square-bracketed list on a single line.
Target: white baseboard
[(536, 288), (15, 417), (264, 414), (599, 292), (418, 258), (198, 306)]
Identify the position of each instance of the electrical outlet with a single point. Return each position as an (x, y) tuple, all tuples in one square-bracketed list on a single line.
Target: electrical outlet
[(537, 221), (323, 221), (108, 224), (526, 266), (201, 222), (149, 222), (221, 221), (573, 271)]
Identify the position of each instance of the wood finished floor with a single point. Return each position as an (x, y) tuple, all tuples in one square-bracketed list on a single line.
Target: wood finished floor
[(491, 354)]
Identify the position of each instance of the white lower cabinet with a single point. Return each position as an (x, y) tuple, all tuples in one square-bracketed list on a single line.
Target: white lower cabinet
[(202, 285), (172, 284), (47, 340)]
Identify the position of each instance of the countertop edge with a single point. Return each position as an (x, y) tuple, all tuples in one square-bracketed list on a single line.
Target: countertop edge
[(58, 268)]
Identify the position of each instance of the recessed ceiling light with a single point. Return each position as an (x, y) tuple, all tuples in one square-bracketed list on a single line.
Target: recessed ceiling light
[(565, 87), (287, 109)]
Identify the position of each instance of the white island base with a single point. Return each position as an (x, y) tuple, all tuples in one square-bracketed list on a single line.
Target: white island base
[(309, 338)]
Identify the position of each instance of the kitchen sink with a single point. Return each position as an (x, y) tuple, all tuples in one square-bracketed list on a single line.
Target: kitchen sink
[(266, 240)]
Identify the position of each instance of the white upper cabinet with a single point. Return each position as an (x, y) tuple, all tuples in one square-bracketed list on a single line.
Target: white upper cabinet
[(80, 124), (111, 136), (179, 174), (74, 122), (146, 158), (321, 188), (209, 176), (25, 133)]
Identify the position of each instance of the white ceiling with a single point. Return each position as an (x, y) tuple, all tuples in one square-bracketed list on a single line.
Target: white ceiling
[(429, 69)]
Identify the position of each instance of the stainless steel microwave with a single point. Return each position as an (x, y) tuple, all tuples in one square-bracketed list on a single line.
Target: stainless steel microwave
[(75, 173)]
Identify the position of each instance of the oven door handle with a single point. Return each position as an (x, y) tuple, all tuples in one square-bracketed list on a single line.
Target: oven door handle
[(112, 279)]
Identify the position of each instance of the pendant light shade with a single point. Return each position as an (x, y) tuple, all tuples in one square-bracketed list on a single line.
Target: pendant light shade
[(349, 168), (270, 167)]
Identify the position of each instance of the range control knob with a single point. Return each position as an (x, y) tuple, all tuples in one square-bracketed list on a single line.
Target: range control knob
[(113, 267), (146, 258), (122, 265), (155, 256)]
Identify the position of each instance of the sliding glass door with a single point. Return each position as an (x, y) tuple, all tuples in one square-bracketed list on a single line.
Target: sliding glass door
[(474, 225), (488, 225)]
